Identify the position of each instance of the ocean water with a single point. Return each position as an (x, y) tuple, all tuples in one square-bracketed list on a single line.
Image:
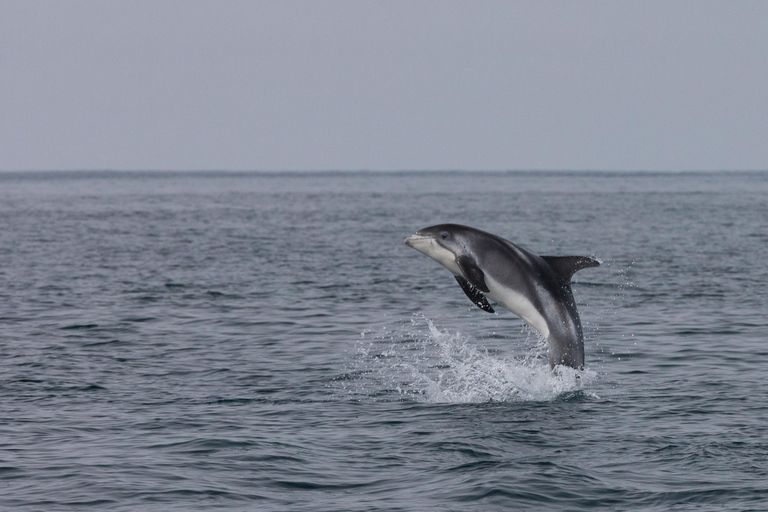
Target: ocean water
[(245, 341)]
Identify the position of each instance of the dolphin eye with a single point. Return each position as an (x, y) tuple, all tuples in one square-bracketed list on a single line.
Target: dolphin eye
[(444, 235)]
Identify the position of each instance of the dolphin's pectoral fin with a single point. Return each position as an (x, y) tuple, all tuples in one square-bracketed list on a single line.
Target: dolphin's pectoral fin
[(475, 295), (472, 273), (566, 266)]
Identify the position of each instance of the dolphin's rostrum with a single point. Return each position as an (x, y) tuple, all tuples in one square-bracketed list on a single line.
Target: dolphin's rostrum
[(536, 288)]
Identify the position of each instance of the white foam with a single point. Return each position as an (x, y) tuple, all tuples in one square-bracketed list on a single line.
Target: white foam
[(418, 361)]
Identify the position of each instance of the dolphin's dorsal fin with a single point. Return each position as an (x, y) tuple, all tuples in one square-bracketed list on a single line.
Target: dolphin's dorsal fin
[(566, 266), (475, 295)]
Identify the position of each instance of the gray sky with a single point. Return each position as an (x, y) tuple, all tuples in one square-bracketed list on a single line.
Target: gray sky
[(185, 84)]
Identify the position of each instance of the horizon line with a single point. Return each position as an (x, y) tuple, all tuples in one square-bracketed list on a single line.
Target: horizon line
[(378, 171)]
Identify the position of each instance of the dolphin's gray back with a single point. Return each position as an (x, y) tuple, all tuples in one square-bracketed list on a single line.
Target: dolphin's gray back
[(547, 290)]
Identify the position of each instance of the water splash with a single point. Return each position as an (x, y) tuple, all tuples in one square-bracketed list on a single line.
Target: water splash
[(418, 361)]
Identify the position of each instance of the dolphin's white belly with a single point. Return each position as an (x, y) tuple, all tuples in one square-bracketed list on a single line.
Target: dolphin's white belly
[(517, 304)]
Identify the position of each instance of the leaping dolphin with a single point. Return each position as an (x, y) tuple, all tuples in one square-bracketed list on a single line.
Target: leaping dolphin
[(535, 288)]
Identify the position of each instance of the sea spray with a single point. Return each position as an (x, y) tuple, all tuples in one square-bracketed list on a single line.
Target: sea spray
[(416, 360)]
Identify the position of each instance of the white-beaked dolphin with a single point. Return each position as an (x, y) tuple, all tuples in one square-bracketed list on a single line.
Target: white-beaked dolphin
[(535, 288)]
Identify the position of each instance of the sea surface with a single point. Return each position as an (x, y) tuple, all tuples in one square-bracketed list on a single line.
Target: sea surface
[(266, 342)]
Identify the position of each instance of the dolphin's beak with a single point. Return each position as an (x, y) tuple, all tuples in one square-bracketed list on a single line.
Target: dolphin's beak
[(414, 238)]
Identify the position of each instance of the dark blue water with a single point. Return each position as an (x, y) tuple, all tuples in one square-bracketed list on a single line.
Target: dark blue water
[(267, 342)]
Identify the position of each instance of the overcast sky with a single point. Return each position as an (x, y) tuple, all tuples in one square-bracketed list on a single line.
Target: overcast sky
[(183, 84)]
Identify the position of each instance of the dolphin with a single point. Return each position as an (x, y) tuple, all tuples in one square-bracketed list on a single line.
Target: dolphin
[(535, 288)]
